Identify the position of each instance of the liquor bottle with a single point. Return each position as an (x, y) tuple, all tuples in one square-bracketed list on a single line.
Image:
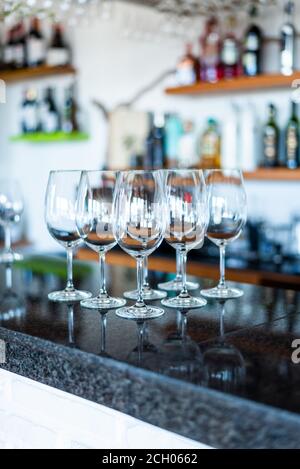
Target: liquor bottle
[(211, 146), (288, 41), (187, 151), (271, 140), (69, 118), (50, 118), (173, 134), (187, 70), (159, 141), (292, 136), (252, 47), (210, 42), (58, 53), (230, 51), (8, 53), (20, 47), (30, 112), (36, 45)]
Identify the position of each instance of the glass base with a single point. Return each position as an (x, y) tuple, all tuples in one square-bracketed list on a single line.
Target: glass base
[(184, 303), (222, 293), (105, 303), (71, 296), (8, 257), (177, 285), (140, 313), (148, 295)]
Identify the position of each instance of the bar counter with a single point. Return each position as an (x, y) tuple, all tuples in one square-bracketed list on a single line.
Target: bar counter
[(222, 375)]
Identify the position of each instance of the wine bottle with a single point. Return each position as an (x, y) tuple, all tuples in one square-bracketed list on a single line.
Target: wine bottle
[(210, 42), (230, 51), (292, 136), (30, 112), (8, 52), (288, 41), (159, 141), (50, 118), (20, 47), (271, 139), (252, 47), (36, 45), (58, 53), (69, 119)]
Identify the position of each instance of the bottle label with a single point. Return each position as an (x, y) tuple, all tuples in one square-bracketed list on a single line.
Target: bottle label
[(250, 63), (35, 51), (30, 120), (57, 56), (270, 145), (252, 43), (229, 52), (292, 144)]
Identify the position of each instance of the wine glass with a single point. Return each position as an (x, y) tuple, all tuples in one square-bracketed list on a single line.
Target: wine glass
[(94, 221), (176, 284), (148, 293), (227, 212), (60, 217), (139, 226), (11, 209), (186, 215)]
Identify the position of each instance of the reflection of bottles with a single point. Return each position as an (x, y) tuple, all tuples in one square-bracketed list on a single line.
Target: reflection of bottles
[(271, 140), (211, 146), (30, 112), (187, 70), (288, 41), (230, 51), (252, 47), (210, 47), (187, 156), (50, 119), (292, 140)]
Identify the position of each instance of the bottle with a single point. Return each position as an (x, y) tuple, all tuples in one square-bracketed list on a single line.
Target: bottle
[(35, 43), (210, 42), (159, 141), (211, 146), (187, 154), (50, 118), (58, 53), (30, 112), (20, 47), (230, 51), (69, 119), (252, 47), (187, 70), (288, 41), (292, 136), (149, 144), (8, 53), (271, 140), (173, 134)]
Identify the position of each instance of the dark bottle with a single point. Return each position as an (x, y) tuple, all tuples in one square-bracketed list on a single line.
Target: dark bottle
[(58, 53), (288, 41), (230, 52), (50, 118), (36, 45), (8, 52), (252, 47), (271, 140), (30, 112), (292, 135), (149, 144), (210, 44), (188, 68), (159, 141), (70, 110), (20, 60)]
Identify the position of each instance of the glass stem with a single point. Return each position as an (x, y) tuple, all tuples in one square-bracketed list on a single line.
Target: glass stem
[(178, 266), (140, 280), (184, 292), (222, 283), (103, 291), (70, 285), (7, 238)]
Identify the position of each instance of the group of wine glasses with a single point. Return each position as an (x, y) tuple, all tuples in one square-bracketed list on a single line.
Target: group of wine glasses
[(11, 210), (138, 210)]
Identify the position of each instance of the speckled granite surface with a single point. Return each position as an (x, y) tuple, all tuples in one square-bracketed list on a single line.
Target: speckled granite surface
[(236, 391)]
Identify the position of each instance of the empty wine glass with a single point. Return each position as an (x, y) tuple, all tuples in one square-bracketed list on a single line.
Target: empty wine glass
[(186, 221), (94, 220), (139, 226), (148, 293), (176, 284), (60, 217), (227, 212), (11, 209)]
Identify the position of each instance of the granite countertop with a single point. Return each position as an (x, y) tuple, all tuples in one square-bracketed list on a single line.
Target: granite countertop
[(236, 390)]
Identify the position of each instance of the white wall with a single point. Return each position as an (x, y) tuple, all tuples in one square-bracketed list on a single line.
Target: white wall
[(112, 65)]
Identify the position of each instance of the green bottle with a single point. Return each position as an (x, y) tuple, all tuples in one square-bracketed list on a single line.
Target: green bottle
[(292, 140), (271, 140)]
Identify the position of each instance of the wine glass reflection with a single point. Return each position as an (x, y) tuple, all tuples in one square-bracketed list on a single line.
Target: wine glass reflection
[(12, 306)]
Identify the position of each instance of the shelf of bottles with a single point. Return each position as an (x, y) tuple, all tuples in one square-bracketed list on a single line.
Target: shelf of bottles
[(42, 71)]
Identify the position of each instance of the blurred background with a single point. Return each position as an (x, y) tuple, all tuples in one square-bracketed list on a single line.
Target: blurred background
[(159, 83)]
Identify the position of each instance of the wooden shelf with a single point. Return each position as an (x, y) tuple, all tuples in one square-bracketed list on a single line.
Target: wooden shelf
[(57, 137), (273, 174), (14, 76), (261, 82)]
